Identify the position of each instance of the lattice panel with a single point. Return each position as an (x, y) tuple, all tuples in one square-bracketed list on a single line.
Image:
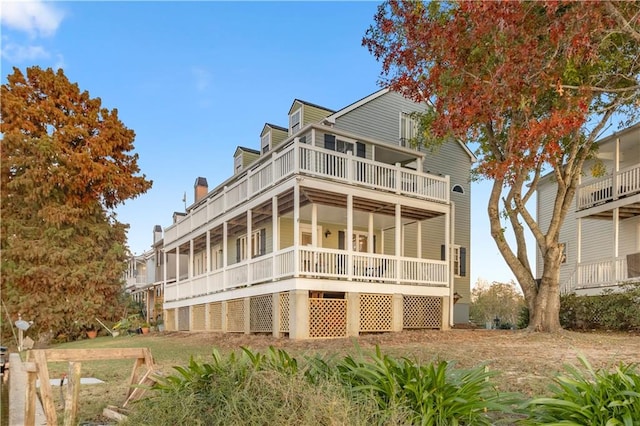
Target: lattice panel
[(235, 316), (198, 317), (327, 317), (422, 312), (215, 316), (284, 312), (376, 312), (261, 314), (170, 320), (183, 318)]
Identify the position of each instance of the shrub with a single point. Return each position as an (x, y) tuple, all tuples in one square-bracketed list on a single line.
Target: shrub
[(590, 397)]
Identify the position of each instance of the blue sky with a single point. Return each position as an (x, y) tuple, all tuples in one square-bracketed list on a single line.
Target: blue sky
[(196, 79)]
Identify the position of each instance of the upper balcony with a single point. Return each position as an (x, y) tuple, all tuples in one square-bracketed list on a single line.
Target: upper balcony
[(301, 154), (613, 187)]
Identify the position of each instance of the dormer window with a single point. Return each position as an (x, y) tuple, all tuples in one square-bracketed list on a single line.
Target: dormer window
[(295, 121), (265, 143), (237, 163)]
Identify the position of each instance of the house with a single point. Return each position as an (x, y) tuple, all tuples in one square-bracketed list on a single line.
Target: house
[(334, 227), (601, 233), (144, 278)]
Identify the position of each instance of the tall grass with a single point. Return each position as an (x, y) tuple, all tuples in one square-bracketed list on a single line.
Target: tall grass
[(585, 396)]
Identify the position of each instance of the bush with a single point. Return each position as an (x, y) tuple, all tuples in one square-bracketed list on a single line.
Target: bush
[(590, 397), (610, 311)]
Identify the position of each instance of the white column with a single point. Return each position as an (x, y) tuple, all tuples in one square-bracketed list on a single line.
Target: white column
[(191, 271), (314, 225), (225, 256), (178, 264), (249, 244), (616, 186), (296, 230), (370, 234), (207, 255), (616, 242), (419, 244), (349, 237), (275, 233), (398, 218), (449, 231)]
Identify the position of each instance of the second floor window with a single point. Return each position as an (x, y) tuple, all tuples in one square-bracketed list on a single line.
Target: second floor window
[(237, 164), (257, 246), (339, 145)]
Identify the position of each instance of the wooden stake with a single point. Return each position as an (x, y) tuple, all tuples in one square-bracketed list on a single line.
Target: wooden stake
[(71, 398), (45, 388)]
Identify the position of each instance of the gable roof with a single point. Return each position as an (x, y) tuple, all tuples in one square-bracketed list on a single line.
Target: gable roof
[(309, 104), (245, 149), (273, 126)]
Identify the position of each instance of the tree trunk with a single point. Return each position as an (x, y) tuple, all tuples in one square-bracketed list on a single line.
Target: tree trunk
[(544, 308)]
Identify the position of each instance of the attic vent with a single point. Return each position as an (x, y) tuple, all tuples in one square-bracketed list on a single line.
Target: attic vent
[(458, 188)]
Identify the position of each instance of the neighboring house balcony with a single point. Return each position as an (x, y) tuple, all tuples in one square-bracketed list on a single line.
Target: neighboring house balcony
[(607, 243)]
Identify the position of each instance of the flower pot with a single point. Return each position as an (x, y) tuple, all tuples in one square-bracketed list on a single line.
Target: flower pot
[(145, 330), (92, 334)]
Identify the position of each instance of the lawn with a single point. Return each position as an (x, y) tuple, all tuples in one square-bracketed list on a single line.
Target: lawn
[(526, 361)]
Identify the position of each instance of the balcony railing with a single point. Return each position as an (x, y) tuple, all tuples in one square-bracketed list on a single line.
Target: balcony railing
[(315, 263), (298, 158), (609, 188), (600, 273)]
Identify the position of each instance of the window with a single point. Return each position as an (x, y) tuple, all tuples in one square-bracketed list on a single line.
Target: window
[(459, 259), (408, 128), (265, 142), (237, 163), (258, 245), (563, 250), (294, 121), (458, 188), (344, 146)]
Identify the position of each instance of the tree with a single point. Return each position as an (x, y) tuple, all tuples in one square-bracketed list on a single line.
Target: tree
[(66, 163), (533, 84), (495, 300)]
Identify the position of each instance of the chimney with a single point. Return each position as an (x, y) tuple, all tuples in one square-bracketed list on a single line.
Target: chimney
[(157, 233), (200, 188), (178, 216)]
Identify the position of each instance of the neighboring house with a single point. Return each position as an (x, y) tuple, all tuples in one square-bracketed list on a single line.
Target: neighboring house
[(601, 234), (334, 227), (145, 277)]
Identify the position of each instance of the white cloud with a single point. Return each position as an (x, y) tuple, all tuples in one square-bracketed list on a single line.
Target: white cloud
[(202, 78), (34, 17), (18, 54)]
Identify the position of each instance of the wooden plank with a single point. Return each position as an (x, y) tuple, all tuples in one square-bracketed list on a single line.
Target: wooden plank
[(30, 401), (112, 413), (146, 382), (71, 398), (45, 387), (132, 378), (56, 355)]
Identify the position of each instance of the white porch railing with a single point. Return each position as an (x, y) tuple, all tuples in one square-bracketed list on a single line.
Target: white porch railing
[(609, 188), (314, 263), (302, 158), (600, 273)]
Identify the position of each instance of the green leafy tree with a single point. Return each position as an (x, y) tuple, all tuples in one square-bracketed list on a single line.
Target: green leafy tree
[(496, 300), (534, 84), (66, 163)]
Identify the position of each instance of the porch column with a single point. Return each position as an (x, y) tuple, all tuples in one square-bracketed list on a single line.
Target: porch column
[(249, 246), (349, 237), (577, 277), (419, 242), (370, 246), (616, 243), (397, 312), (225, 260), (191, 271), (449, 232), (398, 217), (274, 234), (177, 264), (353, 314), (314, 224), (446, 313), (299, 314), (616, 187), (207, 255), (296, 230), (276, 316), (247, 315)]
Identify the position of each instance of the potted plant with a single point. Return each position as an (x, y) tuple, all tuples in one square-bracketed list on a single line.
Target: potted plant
[(144, 327)]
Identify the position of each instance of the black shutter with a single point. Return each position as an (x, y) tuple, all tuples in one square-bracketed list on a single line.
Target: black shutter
[(374, 243), (330, 142), (238, 250), (463, 261), (340, 240), (443, 254), (361, 150), (263, 241)]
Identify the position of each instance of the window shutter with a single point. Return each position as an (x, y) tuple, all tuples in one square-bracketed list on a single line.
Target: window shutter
[(374, 243), (340, 240), (330, 142), (443, 254), (361, 150), (238, 250), (263, 241), (463, 261)]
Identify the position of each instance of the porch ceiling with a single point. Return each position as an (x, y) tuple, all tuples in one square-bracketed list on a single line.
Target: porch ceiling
[(625, 212)]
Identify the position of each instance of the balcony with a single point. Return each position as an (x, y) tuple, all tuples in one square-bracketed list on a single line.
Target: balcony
[(618, 185), (294, 158), (314, 263)]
